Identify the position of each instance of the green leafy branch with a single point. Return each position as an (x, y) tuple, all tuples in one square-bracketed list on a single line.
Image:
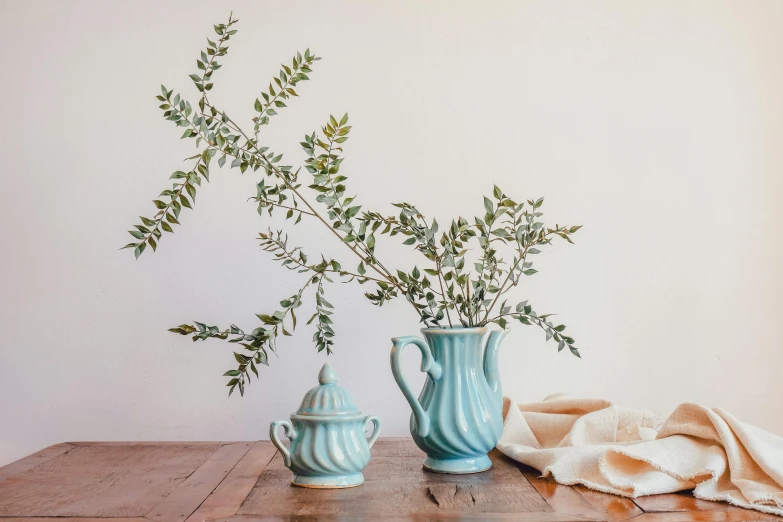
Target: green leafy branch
[(504, 223), (286, 80), (295, 259), (256, 343), (149, 231), (417, 288), (449, 289), (525, 314), (521, 228), (251, 154), (224, 135), (207, 62), (274, 196), (331, 189), (324, 335)]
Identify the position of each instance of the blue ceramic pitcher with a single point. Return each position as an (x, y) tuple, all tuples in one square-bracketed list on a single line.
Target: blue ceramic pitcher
[(457, 419)]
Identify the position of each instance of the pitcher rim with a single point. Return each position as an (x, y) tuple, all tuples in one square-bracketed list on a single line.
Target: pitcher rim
[(454, 329)]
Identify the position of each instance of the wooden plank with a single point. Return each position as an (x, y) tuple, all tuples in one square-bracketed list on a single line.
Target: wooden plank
[(683, 501), (369, 517), (152, 442), (612, 507), (184, 500), (397, 485), (101, 481), (563, 499), (741, 515), (274, 495), (500, 490), (247, 482), (70, 519), (31, 461), (226, 499), (472, 499)]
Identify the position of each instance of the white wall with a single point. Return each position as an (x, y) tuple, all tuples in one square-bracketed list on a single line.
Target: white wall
[(656, 125)]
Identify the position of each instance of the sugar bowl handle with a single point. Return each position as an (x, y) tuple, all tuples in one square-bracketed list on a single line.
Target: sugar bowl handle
[(376, 428), (290, 432)]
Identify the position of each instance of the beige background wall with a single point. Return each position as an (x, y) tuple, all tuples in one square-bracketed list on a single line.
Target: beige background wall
[(656, 125)]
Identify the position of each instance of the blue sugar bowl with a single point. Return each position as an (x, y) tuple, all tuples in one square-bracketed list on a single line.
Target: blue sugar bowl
[(329, 448)]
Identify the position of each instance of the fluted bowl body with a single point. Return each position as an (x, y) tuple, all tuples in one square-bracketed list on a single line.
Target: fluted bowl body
[(329, 446)]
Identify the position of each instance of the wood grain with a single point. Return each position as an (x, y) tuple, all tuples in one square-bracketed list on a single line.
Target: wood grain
[(31, 461), (247, 482), (70, 519), (101, 481), (744, 515), (565, 499), (184, 500), (397, 485), (611, 507), (370, 517), (227, 498), (683, 501), (152, 443)]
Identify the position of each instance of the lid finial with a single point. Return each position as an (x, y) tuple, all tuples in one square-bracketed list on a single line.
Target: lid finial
[(327, 375), (328, 398)]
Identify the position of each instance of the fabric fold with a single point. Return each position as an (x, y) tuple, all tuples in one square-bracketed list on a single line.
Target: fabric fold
[(618, 450)]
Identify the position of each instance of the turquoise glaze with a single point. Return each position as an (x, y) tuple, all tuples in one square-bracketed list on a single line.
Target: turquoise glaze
[(458, 417), (328, 446)]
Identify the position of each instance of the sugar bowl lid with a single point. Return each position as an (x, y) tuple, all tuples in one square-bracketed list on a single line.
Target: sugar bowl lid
[(328, 398)]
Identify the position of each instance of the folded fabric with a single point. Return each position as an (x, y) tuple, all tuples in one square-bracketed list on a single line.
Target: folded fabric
[(617, 450)]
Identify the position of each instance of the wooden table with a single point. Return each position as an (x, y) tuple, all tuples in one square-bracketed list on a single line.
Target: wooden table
[(247, 482)]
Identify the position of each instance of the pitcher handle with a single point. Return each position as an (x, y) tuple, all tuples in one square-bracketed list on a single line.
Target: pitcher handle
[(290, 432), (428, 365), (376, 428)]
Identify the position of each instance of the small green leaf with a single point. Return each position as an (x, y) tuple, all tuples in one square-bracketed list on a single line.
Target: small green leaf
[(488, 205), (266, 319)]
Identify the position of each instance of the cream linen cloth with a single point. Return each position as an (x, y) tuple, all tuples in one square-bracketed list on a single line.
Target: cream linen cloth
[(617, 450)]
